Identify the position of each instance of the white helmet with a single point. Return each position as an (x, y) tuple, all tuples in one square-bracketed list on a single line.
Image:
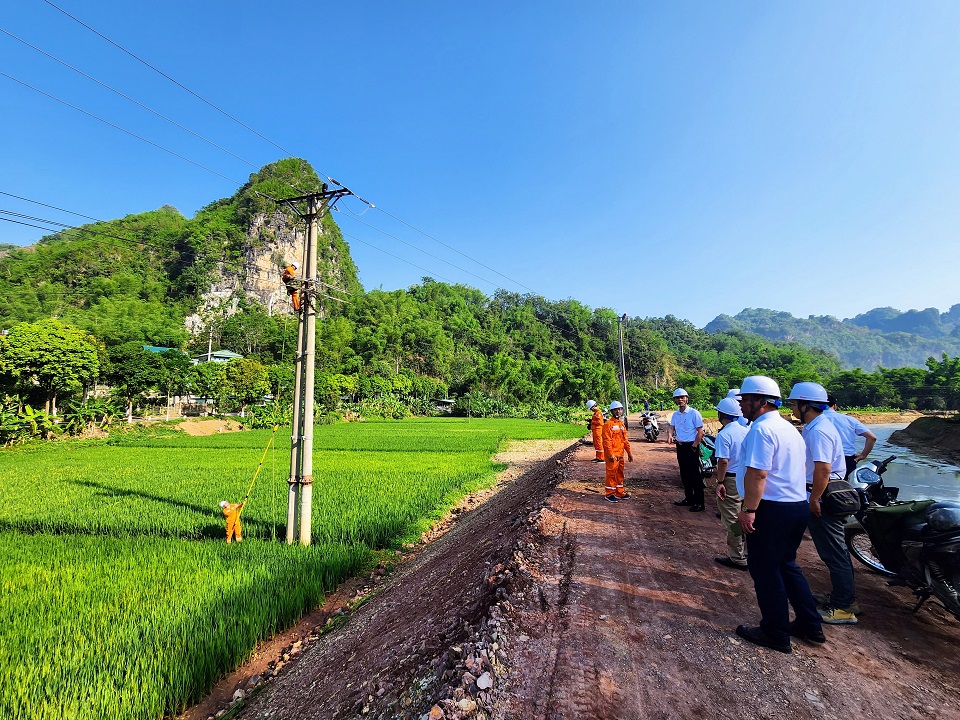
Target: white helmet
[(733, 392), (591, 404), (729, 406), (814, 392), (616, 404), (223, 503), (295, 265), (680, 392), (759, 385)]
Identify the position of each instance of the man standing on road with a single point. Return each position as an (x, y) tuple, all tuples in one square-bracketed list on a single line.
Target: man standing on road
[(727, 451), (825, 462), (615, 443), (849, 427), (774, 517), (596, 429), (686, 430)]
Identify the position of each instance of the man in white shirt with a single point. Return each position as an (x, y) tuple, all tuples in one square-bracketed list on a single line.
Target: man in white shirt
[(774, 517), (849, 428), (686, 430), (727, 450), (825, 462)]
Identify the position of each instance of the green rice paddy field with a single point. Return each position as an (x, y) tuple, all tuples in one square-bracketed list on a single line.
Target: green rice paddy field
[(118, 595)]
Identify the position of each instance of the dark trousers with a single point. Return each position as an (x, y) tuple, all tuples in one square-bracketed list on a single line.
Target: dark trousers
[(851, 464), (688, 458), (777, 579)]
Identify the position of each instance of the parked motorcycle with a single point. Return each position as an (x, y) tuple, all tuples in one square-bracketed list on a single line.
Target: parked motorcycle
[(914, 542), (651, 427)]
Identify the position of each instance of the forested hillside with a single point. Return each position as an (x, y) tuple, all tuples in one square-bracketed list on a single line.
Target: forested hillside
[(80, 306), (881, 337)]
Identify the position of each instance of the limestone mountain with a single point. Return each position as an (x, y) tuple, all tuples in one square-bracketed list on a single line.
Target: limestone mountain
[(154, 277)]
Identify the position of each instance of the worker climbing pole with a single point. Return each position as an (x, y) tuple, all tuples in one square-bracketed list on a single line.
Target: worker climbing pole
[(300, 495)]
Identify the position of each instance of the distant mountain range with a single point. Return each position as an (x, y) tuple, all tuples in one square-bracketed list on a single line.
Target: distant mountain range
[(882, 336)]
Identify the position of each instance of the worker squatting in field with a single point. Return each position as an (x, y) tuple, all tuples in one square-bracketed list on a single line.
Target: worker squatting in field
[(231, 511)]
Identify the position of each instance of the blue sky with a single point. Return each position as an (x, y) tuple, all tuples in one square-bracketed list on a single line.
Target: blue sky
[(686, 158)]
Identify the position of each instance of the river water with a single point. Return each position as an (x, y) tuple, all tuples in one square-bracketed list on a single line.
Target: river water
[(918, 476)]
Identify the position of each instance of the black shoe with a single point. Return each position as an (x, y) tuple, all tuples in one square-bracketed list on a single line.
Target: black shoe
[(624, 496), (682, 503), (807, 634), (596, 460), (757, 636), (612, 498), (697, 508), (727, 562)]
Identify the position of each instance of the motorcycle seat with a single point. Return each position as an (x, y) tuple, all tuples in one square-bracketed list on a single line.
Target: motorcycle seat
[(926, 534)]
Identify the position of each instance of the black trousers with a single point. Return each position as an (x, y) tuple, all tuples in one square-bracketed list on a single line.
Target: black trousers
[(688, 458), (851, 464), (777, 579)]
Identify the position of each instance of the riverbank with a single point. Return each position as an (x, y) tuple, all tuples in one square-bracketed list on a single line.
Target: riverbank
[(935, 436)]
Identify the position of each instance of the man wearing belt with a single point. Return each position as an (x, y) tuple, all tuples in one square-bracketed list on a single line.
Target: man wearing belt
[(727, 450), (825, 462), (774, 518), (849, 428), (686, 429)]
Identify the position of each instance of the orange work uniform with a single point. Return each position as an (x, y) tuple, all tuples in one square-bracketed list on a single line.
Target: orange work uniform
[(289, 275), (596, 427), (615, 445), (232, 514)]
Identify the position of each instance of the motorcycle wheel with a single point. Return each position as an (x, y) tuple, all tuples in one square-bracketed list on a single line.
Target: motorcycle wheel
[(858, 542)]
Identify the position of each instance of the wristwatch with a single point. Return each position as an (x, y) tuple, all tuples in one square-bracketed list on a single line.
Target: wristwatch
[(748, 512)]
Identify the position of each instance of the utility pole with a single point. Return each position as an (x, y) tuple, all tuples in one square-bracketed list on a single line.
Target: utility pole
[(300, 495), (621, 321)]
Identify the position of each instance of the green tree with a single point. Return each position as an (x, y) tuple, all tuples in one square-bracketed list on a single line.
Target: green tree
[(133, 372), (247, 380), (52, 357)]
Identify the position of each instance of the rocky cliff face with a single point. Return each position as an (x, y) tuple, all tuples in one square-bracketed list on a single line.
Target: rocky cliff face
[(273, 242), (273, 238)]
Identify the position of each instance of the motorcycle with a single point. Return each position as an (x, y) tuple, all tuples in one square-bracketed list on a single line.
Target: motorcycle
[(916, 543), (651, 427)]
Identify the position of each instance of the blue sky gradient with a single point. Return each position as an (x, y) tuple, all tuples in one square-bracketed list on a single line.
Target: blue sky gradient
[(686, 158)]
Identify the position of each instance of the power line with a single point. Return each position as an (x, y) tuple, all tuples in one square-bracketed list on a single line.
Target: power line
[(130, 99), (515, 282), (435, 257), (175, 82), (117, 127), (397, 257)]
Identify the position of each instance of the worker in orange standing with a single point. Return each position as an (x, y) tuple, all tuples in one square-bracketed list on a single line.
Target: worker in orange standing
[(596, 428), (231, 511), (615, 443), (289, 278)]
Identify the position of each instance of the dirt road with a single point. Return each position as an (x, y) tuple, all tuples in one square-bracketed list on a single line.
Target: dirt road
[(548, 602)]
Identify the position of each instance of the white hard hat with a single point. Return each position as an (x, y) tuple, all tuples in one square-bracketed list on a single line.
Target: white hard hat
[(295, 265), (814, 392), (729, 406), (591, 404), (759, 385), (680, 392), (733, 392), (223, 503), (616, 404)]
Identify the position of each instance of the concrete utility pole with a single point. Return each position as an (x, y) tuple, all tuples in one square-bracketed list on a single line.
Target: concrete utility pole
[(300, 495), (621, 321)]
